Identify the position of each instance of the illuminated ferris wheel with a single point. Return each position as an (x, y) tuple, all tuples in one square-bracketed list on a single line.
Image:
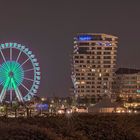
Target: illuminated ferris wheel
[(19, 73)]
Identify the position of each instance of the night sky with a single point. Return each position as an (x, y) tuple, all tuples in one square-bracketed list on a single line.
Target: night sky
[(47, 27)]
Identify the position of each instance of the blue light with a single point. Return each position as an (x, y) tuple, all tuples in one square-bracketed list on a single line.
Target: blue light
[(42, 106), (138, 90), (108, 44), (99, 43), (85, 37)]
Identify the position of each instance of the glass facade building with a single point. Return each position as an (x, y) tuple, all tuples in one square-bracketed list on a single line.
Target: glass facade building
[(93, 63)]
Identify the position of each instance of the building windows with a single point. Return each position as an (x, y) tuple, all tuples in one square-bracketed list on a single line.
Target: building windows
[(76, 57), (76, 61), (106, 74), (98, 57), (107, 53), (105, 79), (97, 37), (108, 48), (99, 48), (107, 66), (81, 61), (89, 78), (93, 44), (93, 48), (99, 53), (99, 82), (83, 50), (107, 62), (108, 39), (82, 82), (89, 74), (91, 60), (88, 82), (81, 57), (84, 44), (87, 90), (92, 52), (99, 78), (77, 74), (107, 57)]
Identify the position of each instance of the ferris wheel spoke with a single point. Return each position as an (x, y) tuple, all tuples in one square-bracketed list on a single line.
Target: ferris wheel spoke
[(18, 56), (3, 92), (28, 79), (11, 95), (22, 85), (10, 54), (29, 70), (17, 91), (22, 63), (4, 59), (2, 82), (25, 87), (3, 68), (18, 94), (2, 95)]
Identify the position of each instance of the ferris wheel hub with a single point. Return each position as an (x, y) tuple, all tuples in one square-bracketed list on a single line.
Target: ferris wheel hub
[(11, 70), (11, 74)]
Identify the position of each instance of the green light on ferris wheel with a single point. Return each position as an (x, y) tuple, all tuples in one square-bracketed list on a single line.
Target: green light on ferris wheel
[(11, 75)]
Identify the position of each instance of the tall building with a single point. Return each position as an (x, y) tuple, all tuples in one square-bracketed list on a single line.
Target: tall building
[(93, 63), (127, 83)]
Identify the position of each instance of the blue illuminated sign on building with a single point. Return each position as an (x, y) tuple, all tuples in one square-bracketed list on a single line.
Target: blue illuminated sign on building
[(42, 106), (101, 44), (90, 37), (85, 37), (108, 44)]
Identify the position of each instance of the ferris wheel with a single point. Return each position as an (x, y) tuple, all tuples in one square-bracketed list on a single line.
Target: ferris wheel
[(19, 73)]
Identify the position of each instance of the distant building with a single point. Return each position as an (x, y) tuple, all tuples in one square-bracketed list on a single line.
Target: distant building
[(127, 83), (93, 63)]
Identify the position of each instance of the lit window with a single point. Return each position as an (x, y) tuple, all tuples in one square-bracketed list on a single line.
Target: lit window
[(83, 70), (82, 82), (77, 83), (100, 74), (93, 70)]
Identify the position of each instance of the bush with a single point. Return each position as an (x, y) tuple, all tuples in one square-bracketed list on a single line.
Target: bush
[(74, 127)]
